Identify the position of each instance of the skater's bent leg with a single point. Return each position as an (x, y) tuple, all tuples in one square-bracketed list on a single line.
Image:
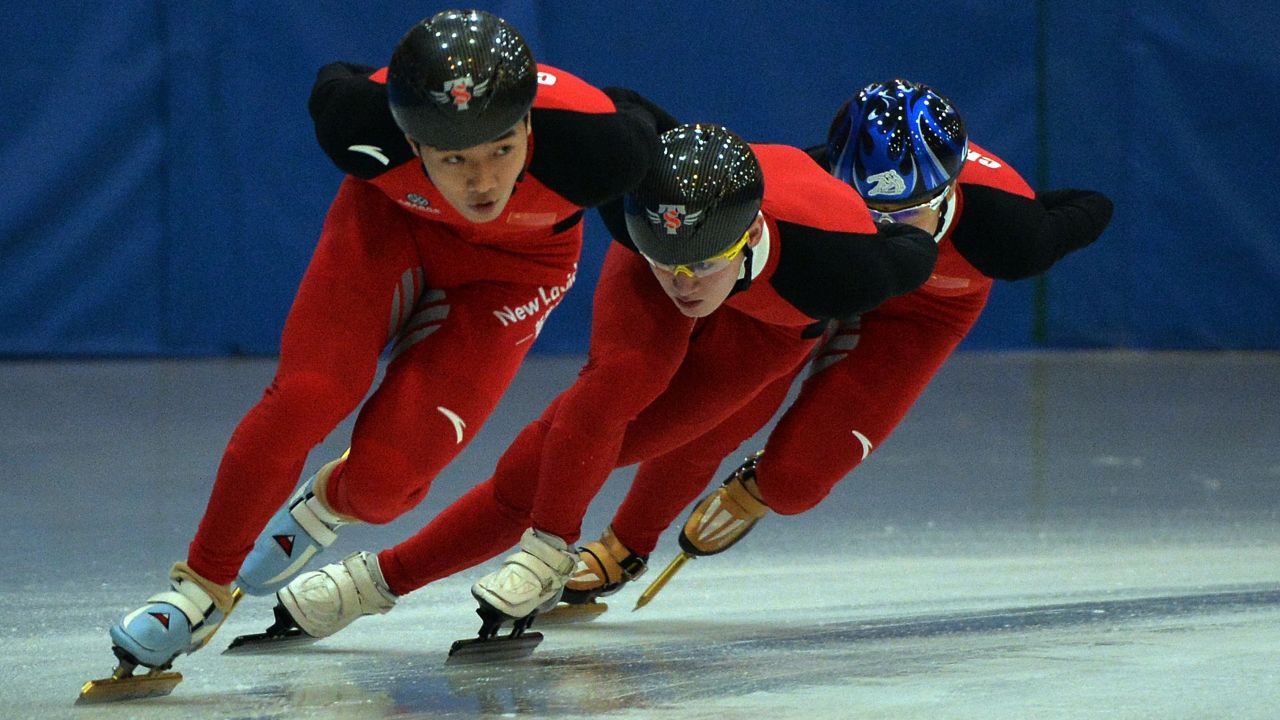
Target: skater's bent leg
[(262, 464), (449, 369), (846, 409), (322, 377), (475, 528), (661, 490), (482, 523), (633, 324), (732, 359), (665, 485)]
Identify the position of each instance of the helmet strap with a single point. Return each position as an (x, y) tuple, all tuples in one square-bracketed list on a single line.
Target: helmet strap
[(943, 224), (528, 144), (744, 282)]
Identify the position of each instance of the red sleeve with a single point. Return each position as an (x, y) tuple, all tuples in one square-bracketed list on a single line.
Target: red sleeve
[(560, 90), (797, 191), (984, 168)]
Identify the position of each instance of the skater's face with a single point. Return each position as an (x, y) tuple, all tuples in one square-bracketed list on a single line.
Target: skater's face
[(478, 181), (698, 293)]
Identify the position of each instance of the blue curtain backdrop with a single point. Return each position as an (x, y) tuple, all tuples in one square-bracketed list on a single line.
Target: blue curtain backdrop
[(163, 189)]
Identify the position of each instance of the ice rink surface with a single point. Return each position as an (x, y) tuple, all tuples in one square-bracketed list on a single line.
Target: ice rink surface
[(1047, 535)]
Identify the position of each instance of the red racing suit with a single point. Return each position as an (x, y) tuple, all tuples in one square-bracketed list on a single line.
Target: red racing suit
[(459, 304), (656, 380), (872, 368)]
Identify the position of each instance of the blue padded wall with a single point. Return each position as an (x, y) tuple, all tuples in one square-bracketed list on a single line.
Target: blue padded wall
[(164, 190)]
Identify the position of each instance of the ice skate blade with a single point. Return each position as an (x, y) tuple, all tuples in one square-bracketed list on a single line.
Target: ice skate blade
[(570, 614), (130, 687), (267, 642), (154, 683), (497, 649)]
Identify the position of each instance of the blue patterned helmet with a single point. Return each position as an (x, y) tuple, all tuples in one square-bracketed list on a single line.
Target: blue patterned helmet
[(897, 142)]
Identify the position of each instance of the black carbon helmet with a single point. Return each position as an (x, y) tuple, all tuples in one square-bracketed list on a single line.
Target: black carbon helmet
[(698, 199), (460, 78)]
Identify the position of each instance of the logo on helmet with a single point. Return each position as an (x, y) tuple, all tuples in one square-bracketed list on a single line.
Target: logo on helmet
[(459, 92), (673, 217), (888, 182)]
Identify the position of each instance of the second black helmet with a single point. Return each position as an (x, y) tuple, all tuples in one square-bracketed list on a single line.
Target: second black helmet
[(699, 198)]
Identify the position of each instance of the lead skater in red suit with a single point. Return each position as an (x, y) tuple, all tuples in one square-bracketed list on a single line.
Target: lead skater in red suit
[(455, 233)]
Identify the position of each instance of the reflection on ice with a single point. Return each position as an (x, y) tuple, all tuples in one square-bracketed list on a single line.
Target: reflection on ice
[(1046, 535)]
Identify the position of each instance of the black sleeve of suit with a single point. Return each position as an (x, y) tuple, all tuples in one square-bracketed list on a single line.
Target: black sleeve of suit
[(590, 158), (350, 109), (632, 103), (615, 221), (1010, 237), (831, 275), (820, 155)]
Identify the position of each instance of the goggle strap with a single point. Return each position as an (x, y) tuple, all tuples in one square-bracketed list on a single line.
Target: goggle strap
[(744, 282)]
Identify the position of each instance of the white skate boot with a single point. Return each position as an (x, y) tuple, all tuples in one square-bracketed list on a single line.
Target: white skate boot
[(326, 600), (318, 604), (529, 580)]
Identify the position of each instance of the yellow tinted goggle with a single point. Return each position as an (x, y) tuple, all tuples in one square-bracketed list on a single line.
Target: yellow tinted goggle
[(710, 266)]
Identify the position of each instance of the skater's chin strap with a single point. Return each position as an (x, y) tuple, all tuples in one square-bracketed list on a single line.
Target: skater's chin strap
[(750, 267), (747, 275)]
